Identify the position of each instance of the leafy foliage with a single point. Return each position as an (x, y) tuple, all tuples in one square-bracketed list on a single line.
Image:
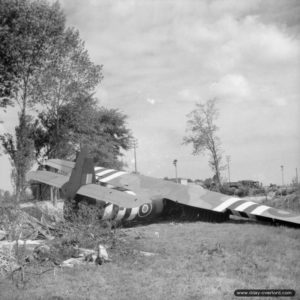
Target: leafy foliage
[(202, 134), (68, 73), (70, 77), (82, 122), (110, 135), (44, 66), (28, 33), (20, 152), (5, 196), (71, 118), (28, 30)]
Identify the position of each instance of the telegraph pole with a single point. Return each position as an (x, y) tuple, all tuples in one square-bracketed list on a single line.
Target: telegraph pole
[(228, 167), (175, 164), (282, 177), (135, 145)]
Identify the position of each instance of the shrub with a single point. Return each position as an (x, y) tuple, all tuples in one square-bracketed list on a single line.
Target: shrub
[(258, 191), (242, 192), (225, 189)]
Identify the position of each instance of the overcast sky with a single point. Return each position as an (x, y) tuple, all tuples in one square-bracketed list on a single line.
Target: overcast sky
[(160, 57)]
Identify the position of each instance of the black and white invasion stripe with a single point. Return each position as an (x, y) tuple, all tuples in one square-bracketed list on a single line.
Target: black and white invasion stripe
[(105, 175), (111, 211), (242, 208)]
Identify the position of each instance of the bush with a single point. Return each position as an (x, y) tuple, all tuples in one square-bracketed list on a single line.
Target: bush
[(258, 191), (83, 211), (83, 225), (242, 191), (225, 189)]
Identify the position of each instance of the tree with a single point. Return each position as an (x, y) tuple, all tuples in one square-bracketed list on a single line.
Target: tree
[(68, 78), (20, 151), (7, 72), (28, 33), (109, 137), (82, 122), (75, 120), (202, 130)]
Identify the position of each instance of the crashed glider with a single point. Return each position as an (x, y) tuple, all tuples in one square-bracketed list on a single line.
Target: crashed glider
[(127, 197)]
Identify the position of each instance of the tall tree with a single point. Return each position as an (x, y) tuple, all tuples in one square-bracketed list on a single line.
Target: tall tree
[(28, 33), (82, 122), (69, 77), (201, 133), (75, 120)]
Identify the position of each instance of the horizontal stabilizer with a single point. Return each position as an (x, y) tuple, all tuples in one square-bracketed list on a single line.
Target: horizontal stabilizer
[(50, 178)]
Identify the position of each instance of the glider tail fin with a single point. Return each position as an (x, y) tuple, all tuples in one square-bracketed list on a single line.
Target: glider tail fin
[(82, 174)]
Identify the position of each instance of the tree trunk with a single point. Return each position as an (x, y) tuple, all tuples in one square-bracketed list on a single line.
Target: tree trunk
[(216, 165), (56, 154)]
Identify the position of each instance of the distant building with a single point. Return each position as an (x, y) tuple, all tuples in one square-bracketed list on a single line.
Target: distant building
[(183, 181)]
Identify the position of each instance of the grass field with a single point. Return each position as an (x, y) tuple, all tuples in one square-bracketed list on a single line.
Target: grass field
[(191, 261)]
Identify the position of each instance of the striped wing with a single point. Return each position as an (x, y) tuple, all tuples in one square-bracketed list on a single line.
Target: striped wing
[(155, 188), (194, 196), (106, 175), (250, 209)]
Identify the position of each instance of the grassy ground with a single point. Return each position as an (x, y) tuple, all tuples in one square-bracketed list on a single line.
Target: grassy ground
[(192, 261)]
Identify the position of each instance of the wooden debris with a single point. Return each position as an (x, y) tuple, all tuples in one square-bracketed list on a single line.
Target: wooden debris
[(102, 253), (71, 262), (147, 253)]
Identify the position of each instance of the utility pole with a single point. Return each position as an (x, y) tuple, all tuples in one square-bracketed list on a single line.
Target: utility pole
[(135, 145), (228, 167), (282, 177), (296, 176), (175, 164)]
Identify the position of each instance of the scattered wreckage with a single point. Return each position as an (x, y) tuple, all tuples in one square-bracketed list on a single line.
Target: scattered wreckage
[(26, 239)]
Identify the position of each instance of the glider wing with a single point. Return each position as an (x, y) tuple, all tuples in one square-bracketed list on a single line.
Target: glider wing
[(111, 195)]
